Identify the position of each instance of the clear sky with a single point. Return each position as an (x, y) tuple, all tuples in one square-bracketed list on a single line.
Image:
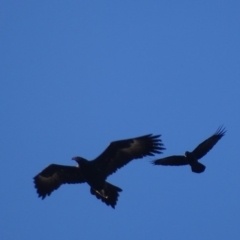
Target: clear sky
[(76, 75)]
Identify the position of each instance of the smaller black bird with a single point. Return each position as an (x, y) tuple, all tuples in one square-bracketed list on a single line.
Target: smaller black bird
[(192, 158)]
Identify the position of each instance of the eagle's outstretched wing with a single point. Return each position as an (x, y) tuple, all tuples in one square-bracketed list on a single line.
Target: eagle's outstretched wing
[(53, 176), (119, 153)]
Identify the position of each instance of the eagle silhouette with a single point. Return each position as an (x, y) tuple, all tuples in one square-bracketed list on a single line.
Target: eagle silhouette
[(95, 172)]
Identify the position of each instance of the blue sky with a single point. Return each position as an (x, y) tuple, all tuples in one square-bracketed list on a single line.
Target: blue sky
[(76, 75)]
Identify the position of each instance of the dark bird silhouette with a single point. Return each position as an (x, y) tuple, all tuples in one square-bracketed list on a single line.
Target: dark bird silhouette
[(192, 158), (95, 172)]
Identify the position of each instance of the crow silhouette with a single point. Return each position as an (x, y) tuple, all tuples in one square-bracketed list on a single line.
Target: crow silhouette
[(191, 158)]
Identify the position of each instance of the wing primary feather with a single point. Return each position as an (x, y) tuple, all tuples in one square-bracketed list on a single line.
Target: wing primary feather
[(221, 131)]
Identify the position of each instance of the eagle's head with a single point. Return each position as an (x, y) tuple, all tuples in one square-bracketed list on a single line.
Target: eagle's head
[(79, 160)]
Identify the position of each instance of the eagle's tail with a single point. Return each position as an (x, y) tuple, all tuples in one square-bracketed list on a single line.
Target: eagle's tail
[(109, 194)]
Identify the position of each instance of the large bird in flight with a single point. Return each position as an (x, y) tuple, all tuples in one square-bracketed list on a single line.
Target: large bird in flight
[(191, 158), (95, 172)]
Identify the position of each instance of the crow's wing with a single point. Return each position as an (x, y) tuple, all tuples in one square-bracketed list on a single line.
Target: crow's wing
[(204, 147), (171, 161), (53, 176), (119, 153)]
